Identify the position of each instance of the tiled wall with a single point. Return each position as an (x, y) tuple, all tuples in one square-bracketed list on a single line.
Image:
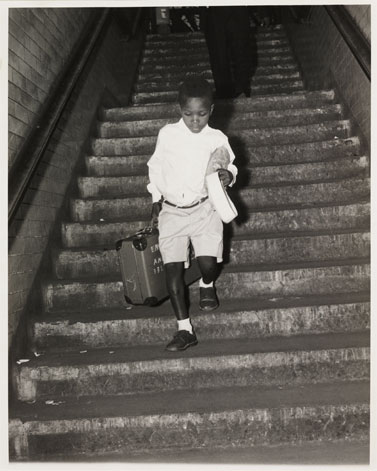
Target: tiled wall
[(40, 40), (40, 46), (327, 62)]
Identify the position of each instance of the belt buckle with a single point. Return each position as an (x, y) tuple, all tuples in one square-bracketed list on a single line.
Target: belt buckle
[(188, 206)]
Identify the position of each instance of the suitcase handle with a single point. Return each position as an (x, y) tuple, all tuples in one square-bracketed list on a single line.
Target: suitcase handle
[(146, 231)]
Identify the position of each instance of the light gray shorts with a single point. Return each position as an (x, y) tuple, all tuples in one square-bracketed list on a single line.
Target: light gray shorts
[(201, 225)]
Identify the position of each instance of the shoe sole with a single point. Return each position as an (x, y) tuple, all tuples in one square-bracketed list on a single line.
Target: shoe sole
[(182, 349), (208, 308)]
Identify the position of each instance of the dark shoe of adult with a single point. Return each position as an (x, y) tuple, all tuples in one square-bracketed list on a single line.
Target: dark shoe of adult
[(208, 299), (181, 340)]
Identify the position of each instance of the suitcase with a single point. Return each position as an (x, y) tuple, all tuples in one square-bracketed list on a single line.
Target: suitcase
[(142, 268)]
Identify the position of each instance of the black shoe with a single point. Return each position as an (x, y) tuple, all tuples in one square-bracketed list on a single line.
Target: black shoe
[(208, 299), (181, 340)]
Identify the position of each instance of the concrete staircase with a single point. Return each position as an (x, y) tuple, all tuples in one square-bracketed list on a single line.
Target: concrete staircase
[(284, 361)]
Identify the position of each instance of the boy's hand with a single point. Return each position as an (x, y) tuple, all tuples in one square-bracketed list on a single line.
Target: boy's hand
[(225, 176), (156, 208)]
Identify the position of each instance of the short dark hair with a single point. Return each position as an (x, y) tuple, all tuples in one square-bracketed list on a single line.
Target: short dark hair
[(195, 86)]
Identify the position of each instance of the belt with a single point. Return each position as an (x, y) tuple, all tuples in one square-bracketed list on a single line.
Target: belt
[(186, 207)]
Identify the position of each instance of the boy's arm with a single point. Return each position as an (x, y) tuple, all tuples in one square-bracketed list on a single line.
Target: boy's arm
[(154, 171), (156, 208), (231, 168)]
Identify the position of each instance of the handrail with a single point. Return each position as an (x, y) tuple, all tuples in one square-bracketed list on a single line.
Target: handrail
[(33, 148), (356, 41)]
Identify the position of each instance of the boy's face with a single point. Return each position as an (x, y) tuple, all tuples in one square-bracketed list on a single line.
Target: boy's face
[(195, 113)]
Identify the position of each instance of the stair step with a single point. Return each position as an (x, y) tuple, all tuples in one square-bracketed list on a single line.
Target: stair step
[(104, 262), (341, 168), (161, 84), (340, 129), (246, 199), (200, 50), (286, 86), (212, 364), (206, 72), (294, 279), (295, 219), (227, 417), (224, 107), (177, 75), (203, 65), (237, 318), (90, 187), (286, 154), (171, 49), (178, 39), (339, 452), (182, 48), (175, 57), (242, 120), (198, 56), (154, 40)]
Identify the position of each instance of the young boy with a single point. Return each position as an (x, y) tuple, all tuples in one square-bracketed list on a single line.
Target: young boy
[(181, 207)]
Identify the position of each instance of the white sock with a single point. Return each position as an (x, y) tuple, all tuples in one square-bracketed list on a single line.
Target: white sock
[(185, 324), (203, 285)]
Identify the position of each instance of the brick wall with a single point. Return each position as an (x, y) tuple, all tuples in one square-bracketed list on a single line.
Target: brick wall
[(327, 62), (361, 15), (36, 226)]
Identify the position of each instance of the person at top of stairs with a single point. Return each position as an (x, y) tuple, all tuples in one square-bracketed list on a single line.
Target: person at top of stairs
[(181, 207), (227, 33)]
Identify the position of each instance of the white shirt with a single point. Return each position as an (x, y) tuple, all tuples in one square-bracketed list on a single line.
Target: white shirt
[(177, 168)]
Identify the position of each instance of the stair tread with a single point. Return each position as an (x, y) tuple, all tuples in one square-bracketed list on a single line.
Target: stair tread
[(251, 165), (331, 122), (227, 306), (281, 208), (200, 65), (244, 189), (258, 86), (247, 236), (269, 184), (175, 57), (361, 161), (344, 142), (242, 114), (248, 100), (317, 453), (271, 76), (213, 348), (328, 94), (240, 268), (195, 402)]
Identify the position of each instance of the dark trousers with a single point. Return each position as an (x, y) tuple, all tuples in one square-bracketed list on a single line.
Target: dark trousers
[(227, 32)]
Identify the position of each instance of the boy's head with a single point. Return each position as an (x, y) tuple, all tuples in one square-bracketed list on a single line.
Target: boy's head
[(195, 98)]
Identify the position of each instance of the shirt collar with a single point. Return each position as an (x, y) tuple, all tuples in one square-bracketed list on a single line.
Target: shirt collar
[(182, 125)]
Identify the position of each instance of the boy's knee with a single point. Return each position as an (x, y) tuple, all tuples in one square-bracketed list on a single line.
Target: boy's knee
[(208, 267), (174, 269), (174, 277), (206, 259)]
